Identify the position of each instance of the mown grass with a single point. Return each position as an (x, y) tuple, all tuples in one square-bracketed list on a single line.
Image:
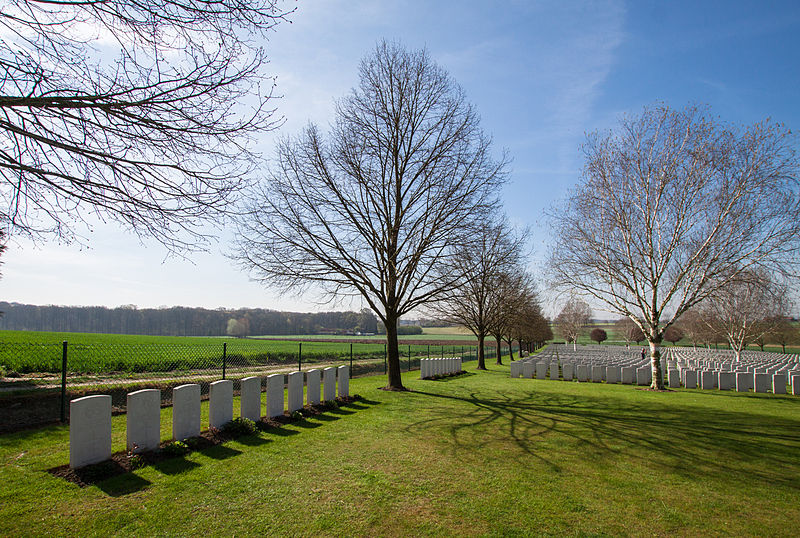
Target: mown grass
[(480, 454)]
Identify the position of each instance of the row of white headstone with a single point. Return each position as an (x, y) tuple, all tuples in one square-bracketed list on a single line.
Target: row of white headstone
[(90, 416), (432, 367), (690, 379), (628, 375)]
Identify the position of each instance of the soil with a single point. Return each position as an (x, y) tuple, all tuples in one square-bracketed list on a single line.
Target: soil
[(124, 462)]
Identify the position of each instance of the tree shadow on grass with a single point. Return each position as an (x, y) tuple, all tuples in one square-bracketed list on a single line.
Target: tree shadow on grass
[(690, 441)]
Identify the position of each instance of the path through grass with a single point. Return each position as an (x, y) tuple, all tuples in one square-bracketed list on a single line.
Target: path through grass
[(481, 454)]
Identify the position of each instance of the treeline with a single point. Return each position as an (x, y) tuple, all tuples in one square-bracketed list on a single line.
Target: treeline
[(180, 321)]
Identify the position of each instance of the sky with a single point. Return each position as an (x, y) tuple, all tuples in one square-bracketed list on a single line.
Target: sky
[(541, 75)]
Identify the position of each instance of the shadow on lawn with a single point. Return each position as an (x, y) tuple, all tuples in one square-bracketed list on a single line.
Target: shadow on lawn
[(690, 441)]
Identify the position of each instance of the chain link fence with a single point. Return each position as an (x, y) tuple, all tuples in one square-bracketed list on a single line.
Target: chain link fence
[(37, 380)]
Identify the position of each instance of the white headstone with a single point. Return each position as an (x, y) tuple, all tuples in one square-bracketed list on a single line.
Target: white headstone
[(743, 381), (143, 420), (726, 380), (295, 387), (541, 370), (516, 369), (628, 375), (554, 370), (528, 370), (250, 398), (274, 395), (762, 382), (185, 411), (329, 384), (778, 383), (796, 385), (220, 403), (583, 372), (613, 374), (690, 382), (673, 379), (644, 375), (344, 380), (567, 371), (89, 430), (313, 386)]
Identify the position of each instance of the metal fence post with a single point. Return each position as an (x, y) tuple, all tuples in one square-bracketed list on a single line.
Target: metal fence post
[(224, 358), (351, 356), (385, 359), (64, 382), (300, 357)]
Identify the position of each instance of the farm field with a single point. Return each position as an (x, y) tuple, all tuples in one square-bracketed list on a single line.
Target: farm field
[(478, 454), (29, 351)]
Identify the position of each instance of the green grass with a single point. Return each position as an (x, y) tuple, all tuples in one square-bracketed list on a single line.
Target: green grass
[(480, 454)]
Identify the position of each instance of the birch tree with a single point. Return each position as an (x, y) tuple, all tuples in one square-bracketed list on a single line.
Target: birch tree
[(398, 189), (672, 206), (745, 310), (573, 319)]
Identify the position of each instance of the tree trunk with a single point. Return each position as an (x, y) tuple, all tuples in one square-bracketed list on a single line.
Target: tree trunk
[(499, 350), (395, 381), (655, 363), (511, 349), (481, 358)]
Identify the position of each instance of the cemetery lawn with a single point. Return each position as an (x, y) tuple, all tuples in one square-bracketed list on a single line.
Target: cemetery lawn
[(478, 454)]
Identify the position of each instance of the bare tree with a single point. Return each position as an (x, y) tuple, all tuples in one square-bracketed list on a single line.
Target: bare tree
[(628, 330), (668, 204), (745, 310), (673, 334), (515, 297), (122, 110), (693, 327), (784, 332), (480, 300), (572, 319), (399, 189), (537, 329)]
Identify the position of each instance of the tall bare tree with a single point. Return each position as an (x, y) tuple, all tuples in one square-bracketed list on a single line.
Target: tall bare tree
[(573, 319), (122, 110), (398, 190), (745, 310), (517, 300), (479, 300), (669, 203)]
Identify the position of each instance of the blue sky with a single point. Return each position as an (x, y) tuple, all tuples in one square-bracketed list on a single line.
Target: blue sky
[(541, 75)]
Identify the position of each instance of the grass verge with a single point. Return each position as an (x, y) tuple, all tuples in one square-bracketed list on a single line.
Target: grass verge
[(479, 454)]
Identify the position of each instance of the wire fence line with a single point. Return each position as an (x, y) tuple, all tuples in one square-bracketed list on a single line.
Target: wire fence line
[(38, 379)]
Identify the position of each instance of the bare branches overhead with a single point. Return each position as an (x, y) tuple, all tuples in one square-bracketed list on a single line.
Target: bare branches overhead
[(141, 112)]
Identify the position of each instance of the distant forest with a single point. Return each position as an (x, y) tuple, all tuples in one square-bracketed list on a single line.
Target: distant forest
[(181, 321)]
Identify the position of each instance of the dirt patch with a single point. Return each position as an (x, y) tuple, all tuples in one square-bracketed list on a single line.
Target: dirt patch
[(125, 462)]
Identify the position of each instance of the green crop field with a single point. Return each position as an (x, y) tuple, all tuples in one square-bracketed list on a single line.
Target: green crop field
[(27, 351), (476, 455)]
